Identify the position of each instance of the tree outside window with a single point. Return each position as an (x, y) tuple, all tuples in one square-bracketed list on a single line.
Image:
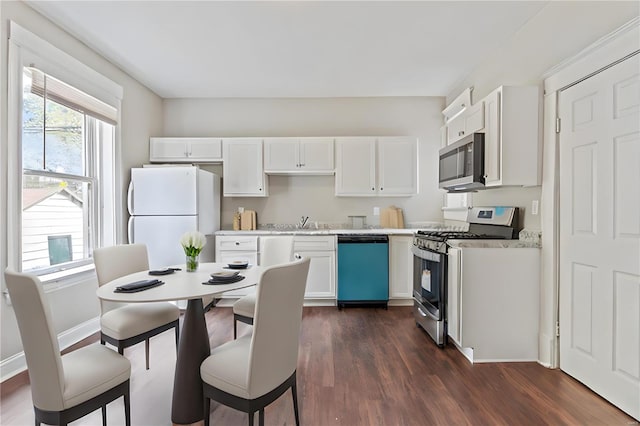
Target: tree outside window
[(61, 146)]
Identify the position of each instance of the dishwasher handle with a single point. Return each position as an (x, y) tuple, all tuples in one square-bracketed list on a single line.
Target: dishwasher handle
[(363, 239)]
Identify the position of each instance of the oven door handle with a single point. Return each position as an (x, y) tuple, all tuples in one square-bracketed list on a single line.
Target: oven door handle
[(432, 256), (423, 313)]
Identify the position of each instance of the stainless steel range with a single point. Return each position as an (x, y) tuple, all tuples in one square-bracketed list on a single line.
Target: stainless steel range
[(430, 263)]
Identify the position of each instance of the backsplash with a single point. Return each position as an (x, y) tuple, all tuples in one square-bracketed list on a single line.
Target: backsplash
[(531, 236), (312, 225)]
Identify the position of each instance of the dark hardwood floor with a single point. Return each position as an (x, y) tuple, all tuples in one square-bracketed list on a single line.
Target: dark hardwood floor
[(361, 366)]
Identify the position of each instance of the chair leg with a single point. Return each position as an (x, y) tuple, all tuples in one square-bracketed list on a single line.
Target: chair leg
[(261, 417), (127, 408), (235, 329), (146, 352), (250, 419), (207, 410), (295, 403), (104, 415), (177, 336)]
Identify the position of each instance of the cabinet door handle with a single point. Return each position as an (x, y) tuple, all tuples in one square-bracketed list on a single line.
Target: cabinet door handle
[(373, 189), (237, 243), (381, 189)]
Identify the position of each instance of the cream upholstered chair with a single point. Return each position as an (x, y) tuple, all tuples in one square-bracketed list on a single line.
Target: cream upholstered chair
[(122, 324), (63, 388), (273, 251), (251, 372)]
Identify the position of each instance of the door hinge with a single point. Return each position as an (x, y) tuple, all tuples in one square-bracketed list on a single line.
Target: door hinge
[(557, 329), (557, 124)]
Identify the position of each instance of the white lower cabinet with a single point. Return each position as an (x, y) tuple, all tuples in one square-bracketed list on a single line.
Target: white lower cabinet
[(230, 248), (321, 282), (493, 303), (401, 268)]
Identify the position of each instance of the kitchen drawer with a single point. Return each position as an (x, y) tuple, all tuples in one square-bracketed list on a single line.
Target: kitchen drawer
[(233, 256), (237, 243), (314, 243)]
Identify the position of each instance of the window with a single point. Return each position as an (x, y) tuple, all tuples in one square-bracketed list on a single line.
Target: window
[(67, 138), (62, 163)]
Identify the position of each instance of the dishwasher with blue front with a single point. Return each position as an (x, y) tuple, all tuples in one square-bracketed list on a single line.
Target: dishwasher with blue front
[(363, 269)]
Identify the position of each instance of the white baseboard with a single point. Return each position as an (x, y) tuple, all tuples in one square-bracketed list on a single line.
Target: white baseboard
[(400, 302), (17, 363), (228, 302), (546, 352), (320, 302)]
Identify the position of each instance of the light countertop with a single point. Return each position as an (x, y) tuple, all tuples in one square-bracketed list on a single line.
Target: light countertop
[(334, 229), (377, 231), (492, 244)]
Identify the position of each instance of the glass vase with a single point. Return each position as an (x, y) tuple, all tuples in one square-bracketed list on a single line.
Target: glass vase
[(192, 263)]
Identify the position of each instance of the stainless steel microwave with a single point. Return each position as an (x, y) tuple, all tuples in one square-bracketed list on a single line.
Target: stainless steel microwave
[(461, 165)]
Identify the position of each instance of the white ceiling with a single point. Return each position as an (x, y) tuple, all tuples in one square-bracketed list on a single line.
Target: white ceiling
[(184, 49)]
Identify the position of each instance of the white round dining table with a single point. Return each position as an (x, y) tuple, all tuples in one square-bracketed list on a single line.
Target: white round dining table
[(187, 405)]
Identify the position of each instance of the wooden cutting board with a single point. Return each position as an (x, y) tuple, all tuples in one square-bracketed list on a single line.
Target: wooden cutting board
[(385, 218), (248, 220), (399, 218), (391, 217)]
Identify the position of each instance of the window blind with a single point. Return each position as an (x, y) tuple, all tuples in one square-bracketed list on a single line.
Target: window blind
[(70, 97)]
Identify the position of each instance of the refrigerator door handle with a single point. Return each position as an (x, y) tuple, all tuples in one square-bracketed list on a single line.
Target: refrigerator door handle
[(130, 198), (130, 230)]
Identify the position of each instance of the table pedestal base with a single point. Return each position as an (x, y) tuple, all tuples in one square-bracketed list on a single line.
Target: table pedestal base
[(187, 406)]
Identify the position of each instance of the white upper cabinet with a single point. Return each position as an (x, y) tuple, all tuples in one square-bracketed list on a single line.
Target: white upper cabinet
[(309, 155), (370, 166), (185, 150), (356, 166), (316, 155), (444, 136), (470, 120), (511, 136), (242, 172), (397, 166)]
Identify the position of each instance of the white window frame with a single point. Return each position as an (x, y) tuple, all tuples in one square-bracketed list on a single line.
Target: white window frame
[(27, 49)]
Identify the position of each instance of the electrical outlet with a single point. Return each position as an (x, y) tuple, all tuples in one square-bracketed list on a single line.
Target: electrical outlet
[(534, 207), (376, 211)]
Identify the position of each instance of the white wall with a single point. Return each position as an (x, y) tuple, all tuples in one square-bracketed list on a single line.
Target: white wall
[(313, 196), (73, 305), (558, 32)]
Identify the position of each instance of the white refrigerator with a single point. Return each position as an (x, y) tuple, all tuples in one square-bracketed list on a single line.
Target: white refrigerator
[(164, 202)]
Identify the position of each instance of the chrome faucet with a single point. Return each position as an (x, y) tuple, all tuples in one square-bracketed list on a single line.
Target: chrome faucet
[(303, 222)]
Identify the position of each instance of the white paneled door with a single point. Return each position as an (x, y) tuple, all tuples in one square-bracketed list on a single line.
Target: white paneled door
[(600, 233)]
